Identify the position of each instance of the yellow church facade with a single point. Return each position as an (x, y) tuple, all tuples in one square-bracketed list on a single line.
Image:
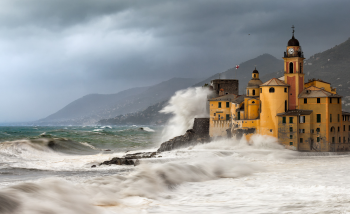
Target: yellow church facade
[(302, 116)]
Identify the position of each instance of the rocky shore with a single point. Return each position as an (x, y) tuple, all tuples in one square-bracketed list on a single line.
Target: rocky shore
[(198, 135)]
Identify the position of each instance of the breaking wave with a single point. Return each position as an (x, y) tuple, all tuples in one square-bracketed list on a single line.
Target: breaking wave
[(185, 105), (148, 180), (34, 147)]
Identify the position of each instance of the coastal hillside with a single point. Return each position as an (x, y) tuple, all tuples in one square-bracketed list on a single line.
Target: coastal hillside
[(94, 107), (266, 64), (150, 115), (333, 66)]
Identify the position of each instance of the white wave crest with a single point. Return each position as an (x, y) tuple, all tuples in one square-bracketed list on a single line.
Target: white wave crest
[(147, 129)]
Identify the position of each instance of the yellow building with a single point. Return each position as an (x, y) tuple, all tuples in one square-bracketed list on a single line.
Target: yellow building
[(303, 116)]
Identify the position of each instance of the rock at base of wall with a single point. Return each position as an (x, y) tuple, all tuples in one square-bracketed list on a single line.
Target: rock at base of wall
[(190, 138)]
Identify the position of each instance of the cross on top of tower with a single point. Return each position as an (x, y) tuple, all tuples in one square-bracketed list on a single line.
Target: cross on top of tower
[(293, 29)]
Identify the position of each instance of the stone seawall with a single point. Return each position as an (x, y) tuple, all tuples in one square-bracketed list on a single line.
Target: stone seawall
[(199, 134)]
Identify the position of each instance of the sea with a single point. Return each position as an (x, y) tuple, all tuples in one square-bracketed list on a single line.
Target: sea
[(48, 170)]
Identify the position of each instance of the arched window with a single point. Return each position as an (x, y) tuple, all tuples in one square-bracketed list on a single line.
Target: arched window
[(300, 69), (254, 75), (247, 92), (338, 129), (272, 90), (285, 106), (253, 102), (332, 129), (291, 70), (253, 92)]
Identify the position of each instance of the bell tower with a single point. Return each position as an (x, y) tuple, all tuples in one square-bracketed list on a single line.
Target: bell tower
[(294, 71)]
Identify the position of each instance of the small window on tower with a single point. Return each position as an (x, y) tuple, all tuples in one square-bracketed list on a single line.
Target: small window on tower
[(285, 90), (318, 100), (272, 90), (291, 70), (305, 100)]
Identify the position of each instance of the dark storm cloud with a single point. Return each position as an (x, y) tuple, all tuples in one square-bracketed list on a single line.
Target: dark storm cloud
[(53, 52)]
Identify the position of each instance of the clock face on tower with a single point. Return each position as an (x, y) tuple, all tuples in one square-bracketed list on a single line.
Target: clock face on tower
[(290, 50)]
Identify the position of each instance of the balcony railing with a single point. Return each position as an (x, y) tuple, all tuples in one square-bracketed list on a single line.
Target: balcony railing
[(295, 54)]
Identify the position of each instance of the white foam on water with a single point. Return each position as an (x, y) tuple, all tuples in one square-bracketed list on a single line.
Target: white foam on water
[(106, 127), (147, 129), (148, 181), (26, 154)]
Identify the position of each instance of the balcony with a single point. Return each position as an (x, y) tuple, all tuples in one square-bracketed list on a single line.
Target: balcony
[(295, 54)]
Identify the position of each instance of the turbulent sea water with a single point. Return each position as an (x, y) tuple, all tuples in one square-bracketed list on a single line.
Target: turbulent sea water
[(48, 170)]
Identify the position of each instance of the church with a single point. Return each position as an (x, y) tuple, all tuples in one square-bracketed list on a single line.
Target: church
[(303, 116)]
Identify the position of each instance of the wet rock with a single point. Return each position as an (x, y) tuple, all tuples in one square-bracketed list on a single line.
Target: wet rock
[(107, 150), (93, 166), (118, 161), (190, 138), (140, 155), (137, 162)]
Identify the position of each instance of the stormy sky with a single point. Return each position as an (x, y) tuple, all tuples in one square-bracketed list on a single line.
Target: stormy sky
[(53, 52)]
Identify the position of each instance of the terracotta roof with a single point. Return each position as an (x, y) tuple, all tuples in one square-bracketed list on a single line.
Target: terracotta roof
[(274, 82), (314, 91), (295, 112), (228, 97), (314, 79)]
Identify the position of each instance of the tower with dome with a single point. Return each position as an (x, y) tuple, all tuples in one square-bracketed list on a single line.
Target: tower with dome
[(303, 116)]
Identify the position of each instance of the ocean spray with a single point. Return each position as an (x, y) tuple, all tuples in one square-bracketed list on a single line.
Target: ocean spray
[(185, 105)]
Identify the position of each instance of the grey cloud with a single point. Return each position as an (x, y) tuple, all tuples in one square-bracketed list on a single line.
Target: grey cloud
[(53, 52)]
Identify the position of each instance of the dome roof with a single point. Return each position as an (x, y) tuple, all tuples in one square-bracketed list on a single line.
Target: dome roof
[(255, 71), (293, 41)]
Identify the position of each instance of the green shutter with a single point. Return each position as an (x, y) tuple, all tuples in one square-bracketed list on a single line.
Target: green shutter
[(284, 120), (219, 104), (318, 118)]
